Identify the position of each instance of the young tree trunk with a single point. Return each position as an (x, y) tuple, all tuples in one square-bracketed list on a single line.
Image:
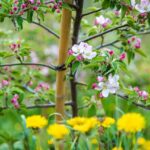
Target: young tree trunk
[(63, 49)]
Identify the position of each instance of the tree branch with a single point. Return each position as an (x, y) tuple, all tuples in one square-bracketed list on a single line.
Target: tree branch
[(108, 44), (92, 12), (125, 97), (103, 33), (45, 28), (56, 68), (69, 103)]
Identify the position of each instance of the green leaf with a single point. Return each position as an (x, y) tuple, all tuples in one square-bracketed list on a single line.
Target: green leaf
[(139, 51), (29, 15), (92, 110), (20, 22)]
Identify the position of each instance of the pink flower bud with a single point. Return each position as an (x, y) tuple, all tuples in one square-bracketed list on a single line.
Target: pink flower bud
[(38, 2), (111, 52), (101, 95), (100, 79), (136, 89), (13, 46), (16, 2), (11, 12), (129, 41), (122, 56), (23, 6), (35, 8), (58, 10), (138, 43), (5, 82), (16, 105), (104, 25), (31, 1), (117, 12), (143, 14), (133, 38), (30, 83), (52, 1), (96, 22), (60, 3), (70, 52), (79, 57), (94, 85), (15, 8)]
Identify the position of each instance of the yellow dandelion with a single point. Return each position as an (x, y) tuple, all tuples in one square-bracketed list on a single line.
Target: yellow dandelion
[(146, 145), (131, 122), (117, 148), (141, 141), (57, 131), (36, 121), (83, 124), (107, 122)]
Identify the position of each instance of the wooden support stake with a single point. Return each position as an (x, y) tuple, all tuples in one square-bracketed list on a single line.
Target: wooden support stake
[(63, 50)]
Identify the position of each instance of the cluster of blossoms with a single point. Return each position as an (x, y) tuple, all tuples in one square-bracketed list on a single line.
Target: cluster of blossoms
[(142, 7), (102, 21), (142, 94), (14, 101), (15, 47), (111, 85), (34, 5), (21, 9), (82, 51), (56, 6), (134, 42), (111, 53), (42, 86)]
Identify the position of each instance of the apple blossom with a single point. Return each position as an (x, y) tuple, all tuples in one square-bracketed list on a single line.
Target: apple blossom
[(104, 22), (142, 7), (135, 42), (82, 51), (111, 85)]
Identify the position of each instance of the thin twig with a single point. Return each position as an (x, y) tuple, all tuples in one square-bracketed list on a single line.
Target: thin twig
[(92, 12), (103, 33), (125, 97), (116, 41), (56, 68), (108, 44), (45, 28)]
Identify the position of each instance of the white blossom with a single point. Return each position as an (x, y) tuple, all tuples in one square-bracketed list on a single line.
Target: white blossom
[(110, 86), (102, 21), (142, 7), (84, 50)]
